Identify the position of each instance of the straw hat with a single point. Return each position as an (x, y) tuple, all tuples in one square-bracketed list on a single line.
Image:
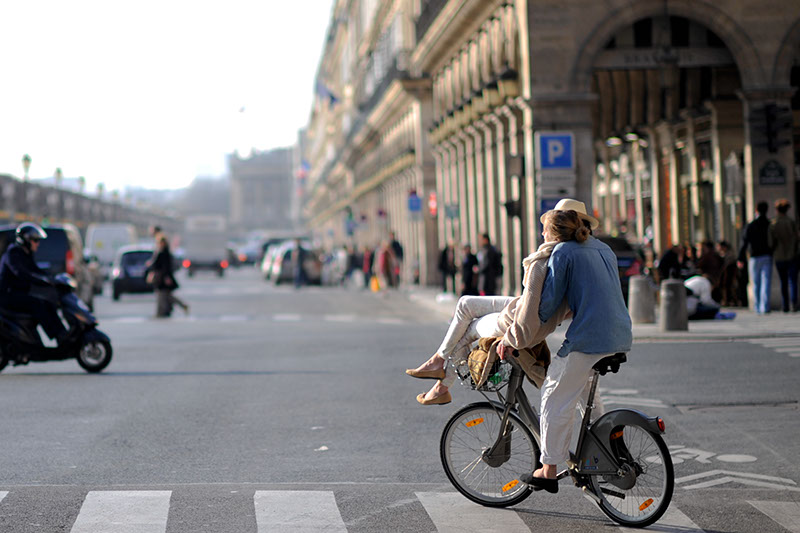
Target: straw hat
[(567, 204)]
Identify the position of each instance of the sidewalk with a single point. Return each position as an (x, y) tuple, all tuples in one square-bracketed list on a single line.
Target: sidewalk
[(747, 324)]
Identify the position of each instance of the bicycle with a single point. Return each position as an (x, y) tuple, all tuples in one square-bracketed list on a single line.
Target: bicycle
[(621, 462)]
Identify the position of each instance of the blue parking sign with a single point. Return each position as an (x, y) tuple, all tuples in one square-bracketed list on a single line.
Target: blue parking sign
[(555, 151)]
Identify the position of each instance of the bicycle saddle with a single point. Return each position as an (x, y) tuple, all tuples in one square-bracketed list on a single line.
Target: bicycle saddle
[(610, 363)]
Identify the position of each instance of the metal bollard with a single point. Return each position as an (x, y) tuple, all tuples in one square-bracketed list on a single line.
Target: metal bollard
[(674, 316), (641, 300)]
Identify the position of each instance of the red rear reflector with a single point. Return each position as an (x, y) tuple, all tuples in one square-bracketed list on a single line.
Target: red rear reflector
[(242, 258), (70, 263), (186, 263), (661, 425), (224, 264)]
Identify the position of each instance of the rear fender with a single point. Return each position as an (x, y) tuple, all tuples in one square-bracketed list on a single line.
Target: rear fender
[(598, 447)]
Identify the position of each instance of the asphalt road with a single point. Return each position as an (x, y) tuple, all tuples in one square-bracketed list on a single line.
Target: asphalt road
[(270, 405)]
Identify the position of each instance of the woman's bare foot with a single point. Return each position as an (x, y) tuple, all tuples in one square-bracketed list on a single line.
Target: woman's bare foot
[(436, 362), (547, 472), (436, 391)]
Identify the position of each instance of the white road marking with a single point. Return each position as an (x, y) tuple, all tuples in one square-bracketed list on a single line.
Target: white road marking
[(339, 318), (390, 321), (234, 318), (736, 458), (786, 514), (135, 511), (756, 480), (673, 521), (3, 495), (453, 513), (287, 317), (627, 400), (297, 511), (127, 319)]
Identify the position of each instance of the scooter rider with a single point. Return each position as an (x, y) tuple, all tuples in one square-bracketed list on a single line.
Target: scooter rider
[(18, 271)]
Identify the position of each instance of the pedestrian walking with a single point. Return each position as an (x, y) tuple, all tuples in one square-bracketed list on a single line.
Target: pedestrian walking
[(385, 265), (397, 251), (367, 259), (447, 266), (783, 239), (298, 258), (469, 272), (490, 267), (756, 242), (728, 285), (160, 274)]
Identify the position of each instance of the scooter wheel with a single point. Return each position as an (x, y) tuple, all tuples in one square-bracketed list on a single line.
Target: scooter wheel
[(94, 356)]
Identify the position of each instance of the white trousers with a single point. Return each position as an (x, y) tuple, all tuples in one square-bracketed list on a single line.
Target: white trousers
[(475, 317), (568, 380)]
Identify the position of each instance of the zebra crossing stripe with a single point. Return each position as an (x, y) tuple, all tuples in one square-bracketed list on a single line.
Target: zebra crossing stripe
[(786, 514), (288, 317), (453, 513), (124, 511), (673, 520), (297, 512)]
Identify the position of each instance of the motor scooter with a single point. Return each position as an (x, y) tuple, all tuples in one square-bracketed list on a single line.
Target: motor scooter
[(20, 342)]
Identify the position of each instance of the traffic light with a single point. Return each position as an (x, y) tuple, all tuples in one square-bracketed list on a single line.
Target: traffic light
[(771, 127)]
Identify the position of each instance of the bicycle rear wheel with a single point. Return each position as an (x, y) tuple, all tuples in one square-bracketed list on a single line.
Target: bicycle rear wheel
[(641, 496), (494, 481)]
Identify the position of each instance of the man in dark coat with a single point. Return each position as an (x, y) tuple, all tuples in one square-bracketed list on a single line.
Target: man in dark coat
[(447, 266), (489, 267), (469, 266), (756, 241), (18, 272)]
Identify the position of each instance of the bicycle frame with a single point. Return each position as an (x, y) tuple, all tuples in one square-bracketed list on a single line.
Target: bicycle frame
[(578, 464)]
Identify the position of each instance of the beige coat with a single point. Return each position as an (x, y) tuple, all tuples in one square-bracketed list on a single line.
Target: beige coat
[(520, 318)]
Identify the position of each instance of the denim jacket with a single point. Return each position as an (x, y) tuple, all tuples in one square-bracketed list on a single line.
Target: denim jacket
[(586, 274)]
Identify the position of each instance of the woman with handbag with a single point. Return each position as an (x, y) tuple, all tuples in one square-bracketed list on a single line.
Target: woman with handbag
[(160, 275)]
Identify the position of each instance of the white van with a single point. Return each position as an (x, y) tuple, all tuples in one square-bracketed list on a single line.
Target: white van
[(104, 239)]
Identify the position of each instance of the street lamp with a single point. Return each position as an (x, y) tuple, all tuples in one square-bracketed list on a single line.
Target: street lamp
[(26, 164)]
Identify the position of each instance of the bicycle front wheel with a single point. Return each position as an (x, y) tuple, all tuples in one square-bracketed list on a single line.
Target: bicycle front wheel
[(642, 494), (491, 481)]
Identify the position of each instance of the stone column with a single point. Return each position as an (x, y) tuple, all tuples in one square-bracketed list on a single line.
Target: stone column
[(727, 138), (426, 182), (490, 177), (503, 237)]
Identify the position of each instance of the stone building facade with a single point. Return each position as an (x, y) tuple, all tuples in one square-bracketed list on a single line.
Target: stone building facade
[(262, 188), (671, 119)]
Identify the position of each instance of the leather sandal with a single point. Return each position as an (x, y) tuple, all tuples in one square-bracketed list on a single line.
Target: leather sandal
[(426, 374), (442, 399), (540, 483)]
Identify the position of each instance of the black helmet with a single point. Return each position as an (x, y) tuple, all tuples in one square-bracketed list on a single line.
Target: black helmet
[(28, 231)]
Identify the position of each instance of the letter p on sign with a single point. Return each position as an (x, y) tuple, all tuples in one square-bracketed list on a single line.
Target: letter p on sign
[(555, 151)]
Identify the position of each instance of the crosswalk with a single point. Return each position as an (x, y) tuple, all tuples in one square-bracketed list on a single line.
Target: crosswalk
[(783, 345), (312, 511)]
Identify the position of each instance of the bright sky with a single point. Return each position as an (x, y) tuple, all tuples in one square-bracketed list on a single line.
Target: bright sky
[(150, 93)]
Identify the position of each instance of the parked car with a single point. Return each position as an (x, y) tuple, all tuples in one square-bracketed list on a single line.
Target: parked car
[(128, 274), (282, 264), (629, 262), (60, 252), (269, 257)]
